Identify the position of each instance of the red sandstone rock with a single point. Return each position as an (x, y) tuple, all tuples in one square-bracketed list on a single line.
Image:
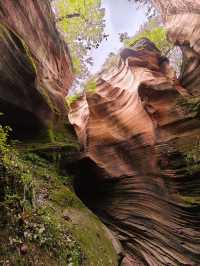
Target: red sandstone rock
[(36, 70), (135, 133)]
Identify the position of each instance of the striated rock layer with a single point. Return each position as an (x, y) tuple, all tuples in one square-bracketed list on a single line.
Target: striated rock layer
[(42, 222), (35, 66), (140, 133)]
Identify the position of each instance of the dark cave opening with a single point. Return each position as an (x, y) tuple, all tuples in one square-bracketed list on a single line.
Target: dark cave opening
[(94, 189), (135, 208), (24, 124), (89, 185)]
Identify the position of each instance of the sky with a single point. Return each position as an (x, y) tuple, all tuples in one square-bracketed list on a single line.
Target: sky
[(120, 16)]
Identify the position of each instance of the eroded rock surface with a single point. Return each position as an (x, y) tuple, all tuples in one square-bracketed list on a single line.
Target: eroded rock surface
[(35, 66), (140, 133), (44, 223)]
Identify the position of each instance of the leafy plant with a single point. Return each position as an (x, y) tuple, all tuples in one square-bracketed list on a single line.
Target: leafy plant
[(4, 132), (15, 167), (82, 24), (191, 104), (72, 98), (155, 32), (90, 85), (192, 157)]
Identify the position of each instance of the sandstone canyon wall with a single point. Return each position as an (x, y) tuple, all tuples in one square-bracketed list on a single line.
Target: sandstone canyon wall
[(140, 132), (36, 69), (138, 168), (42, 221)]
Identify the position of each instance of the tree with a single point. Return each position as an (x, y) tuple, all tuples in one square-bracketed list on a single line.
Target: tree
[(123, 36), (150, 10), (155, 32), (82, 24)]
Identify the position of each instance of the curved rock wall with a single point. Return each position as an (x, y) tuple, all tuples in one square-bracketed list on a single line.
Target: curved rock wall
[(36, 70), (139, 129)]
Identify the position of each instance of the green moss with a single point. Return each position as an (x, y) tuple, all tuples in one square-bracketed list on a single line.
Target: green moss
[(5, 34), (190, 150), (40, 210), (155, 33), (52, 105), (72, 98), (65, 198), (55, 146), (32, 65), (191, 200), (50, 134), (83, 225), (61, 134), (91, 86), (29, 56), (89, 232)]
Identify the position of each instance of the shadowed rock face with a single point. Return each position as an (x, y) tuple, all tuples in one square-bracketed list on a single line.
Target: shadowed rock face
[(35, 67), (138, 130)]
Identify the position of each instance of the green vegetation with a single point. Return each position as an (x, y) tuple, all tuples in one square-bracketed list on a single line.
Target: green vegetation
[(42, 220), (191, 148), (72, 98), (155, 32), (190, 105), (82, 25), (4, 132), (191, 200), (189, 154), (192, 157), (29, 56), (90, 85)]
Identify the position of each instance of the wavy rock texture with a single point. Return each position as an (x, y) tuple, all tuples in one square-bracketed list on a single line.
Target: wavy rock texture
[(36, 71), (54, 228), (140, 132), (182, 21)]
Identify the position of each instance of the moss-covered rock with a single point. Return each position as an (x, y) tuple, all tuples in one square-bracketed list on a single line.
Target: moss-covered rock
[(36, 70), (44, 223)]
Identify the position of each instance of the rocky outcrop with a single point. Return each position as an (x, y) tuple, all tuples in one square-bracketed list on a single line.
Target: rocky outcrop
[(42, 220), (182, 20), (36, 70), (140, 132)]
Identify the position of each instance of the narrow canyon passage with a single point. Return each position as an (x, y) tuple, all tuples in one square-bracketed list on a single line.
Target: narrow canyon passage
[(127, 146), (153, 225), (135, 175)]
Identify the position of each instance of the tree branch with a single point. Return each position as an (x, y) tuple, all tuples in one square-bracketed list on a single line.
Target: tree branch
[(68, 16)]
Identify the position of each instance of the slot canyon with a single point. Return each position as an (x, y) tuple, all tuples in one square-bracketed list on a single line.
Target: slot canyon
[(131, 146)]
